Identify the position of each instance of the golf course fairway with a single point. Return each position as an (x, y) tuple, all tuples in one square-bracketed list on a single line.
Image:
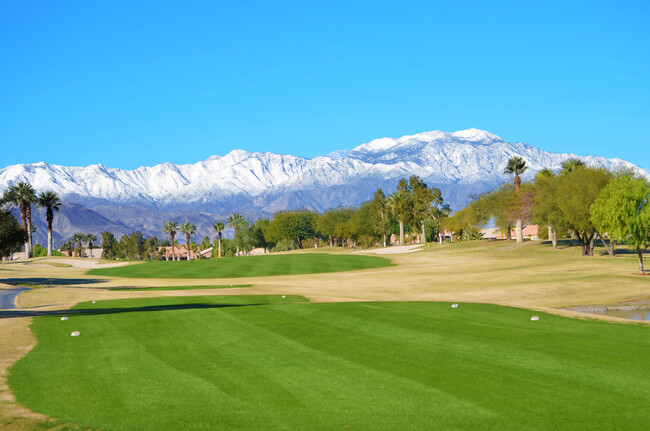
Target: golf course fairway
[(247, 266), (273, 363)]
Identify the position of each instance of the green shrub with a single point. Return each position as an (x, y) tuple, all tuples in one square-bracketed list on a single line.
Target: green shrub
[(367, 241), (40, 251), (285, 245), (307, 243)]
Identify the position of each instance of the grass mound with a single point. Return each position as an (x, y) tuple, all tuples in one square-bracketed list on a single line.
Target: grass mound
[(247, 266), (249, 362)]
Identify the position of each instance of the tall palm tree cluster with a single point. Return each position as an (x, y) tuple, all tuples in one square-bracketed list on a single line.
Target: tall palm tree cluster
[(23, 196), (171, 228), (75, 243)]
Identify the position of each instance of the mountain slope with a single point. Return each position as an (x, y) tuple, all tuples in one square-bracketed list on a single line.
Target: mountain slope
[(459, 163)]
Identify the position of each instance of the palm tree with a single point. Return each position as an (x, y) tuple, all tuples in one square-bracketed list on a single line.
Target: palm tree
[(188, 229), (195, 249), (571, 165), (236, 221), (89, 238), (77, 238), (171, 227), (219, 227), (50, 201), (23, 195), (517, 165), (68, 246)]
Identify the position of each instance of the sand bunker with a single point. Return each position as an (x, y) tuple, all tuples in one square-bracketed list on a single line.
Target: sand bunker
[(78, 263), (398, 249)]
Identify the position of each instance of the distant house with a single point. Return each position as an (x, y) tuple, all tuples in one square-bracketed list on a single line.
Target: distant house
[(491, 233), (181, 252), (97, 252), (18, 255), (529, 231)]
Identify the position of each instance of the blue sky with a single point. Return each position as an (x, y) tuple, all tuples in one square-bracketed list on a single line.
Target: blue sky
[(127, 84)]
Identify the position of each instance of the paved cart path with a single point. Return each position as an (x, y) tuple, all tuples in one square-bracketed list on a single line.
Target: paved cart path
[(8, 297)]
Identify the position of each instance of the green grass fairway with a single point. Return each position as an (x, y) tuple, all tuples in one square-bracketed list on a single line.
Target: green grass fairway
[(246, 363), (247, 266), (223, 286)]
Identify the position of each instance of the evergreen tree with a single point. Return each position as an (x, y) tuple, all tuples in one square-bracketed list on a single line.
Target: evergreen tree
[(12, 236), (109, 245)]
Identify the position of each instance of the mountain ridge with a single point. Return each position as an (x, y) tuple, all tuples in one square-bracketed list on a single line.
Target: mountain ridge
[(258, 184)]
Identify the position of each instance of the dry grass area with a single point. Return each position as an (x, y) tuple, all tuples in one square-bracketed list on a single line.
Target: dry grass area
[(529, 275), (16, 340)]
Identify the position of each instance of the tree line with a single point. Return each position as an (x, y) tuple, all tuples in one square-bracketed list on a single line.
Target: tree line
[(587, 203), (413, 208)]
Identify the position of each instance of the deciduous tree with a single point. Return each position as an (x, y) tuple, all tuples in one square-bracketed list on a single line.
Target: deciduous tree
[(623, 211), (576, 192), (326, 223), (402, 201), (380, 215), (425, 201)]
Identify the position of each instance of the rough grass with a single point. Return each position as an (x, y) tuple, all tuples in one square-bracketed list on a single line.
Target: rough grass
[(247, 266), (245, 362)]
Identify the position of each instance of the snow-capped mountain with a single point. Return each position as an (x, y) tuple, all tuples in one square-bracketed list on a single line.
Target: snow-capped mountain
[(459, 163)]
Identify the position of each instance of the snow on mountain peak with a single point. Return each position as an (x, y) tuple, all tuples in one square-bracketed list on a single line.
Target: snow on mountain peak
[(475, 135), (460, 162), (418, 139)]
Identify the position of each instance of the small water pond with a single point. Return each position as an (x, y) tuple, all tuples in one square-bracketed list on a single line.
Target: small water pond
[(634, 314)]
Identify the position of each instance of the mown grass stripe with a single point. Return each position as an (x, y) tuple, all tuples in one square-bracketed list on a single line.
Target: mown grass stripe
[(376, 366), (247, 266)]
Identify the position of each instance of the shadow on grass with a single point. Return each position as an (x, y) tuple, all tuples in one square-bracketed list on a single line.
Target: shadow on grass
[(629, 251), (51, 282), (620, 248), (95, 311)]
